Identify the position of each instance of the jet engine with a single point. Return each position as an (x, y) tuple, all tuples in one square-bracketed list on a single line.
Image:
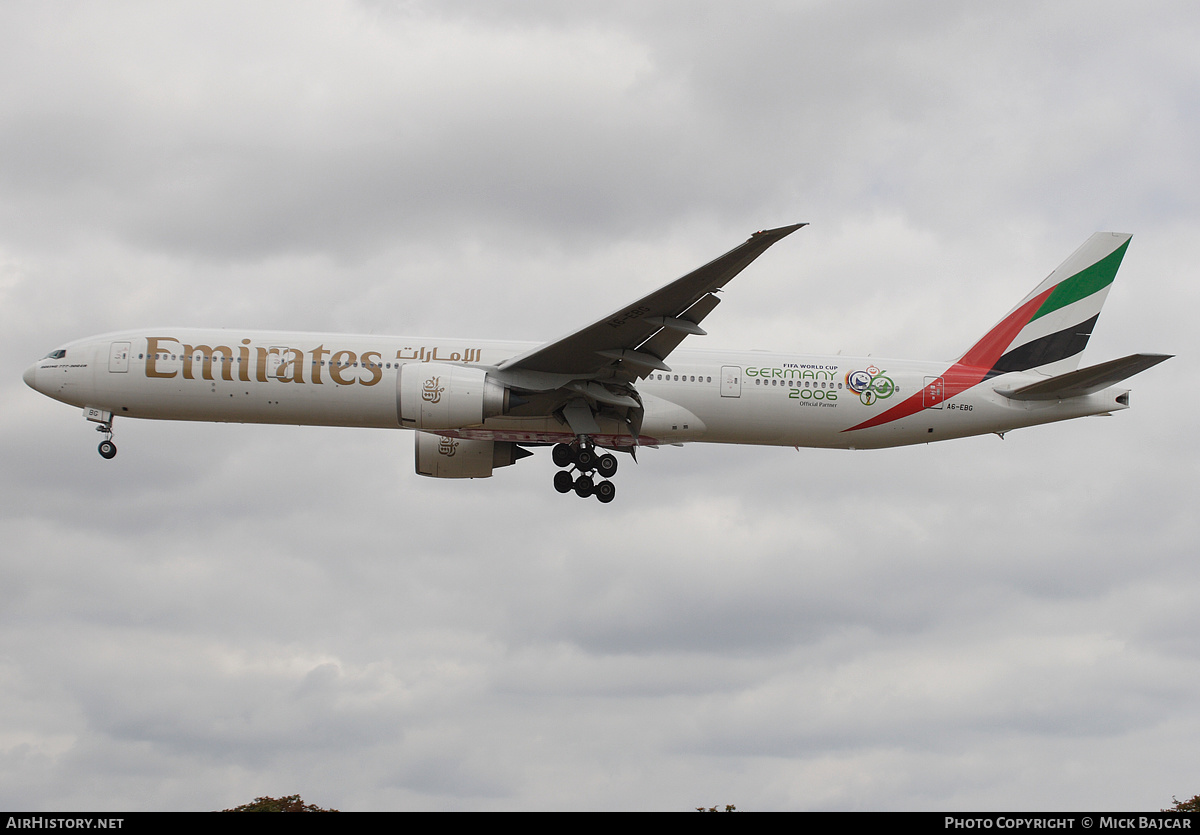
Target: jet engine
[(442, 457), (431, 395)]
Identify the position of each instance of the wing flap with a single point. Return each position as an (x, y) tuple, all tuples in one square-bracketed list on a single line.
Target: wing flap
[(668, 338)]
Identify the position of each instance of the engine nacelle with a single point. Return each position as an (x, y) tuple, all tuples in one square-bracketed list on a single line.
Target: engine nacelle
[(441, 457), (432, 395)]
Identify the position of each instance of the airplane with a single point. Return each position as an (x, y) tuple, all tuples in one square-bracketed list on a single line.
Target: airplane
[(478, 405)]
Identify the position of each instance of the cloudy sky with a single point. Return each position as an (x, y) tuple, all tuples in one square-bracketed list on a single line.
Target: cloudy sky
[(224, 611)]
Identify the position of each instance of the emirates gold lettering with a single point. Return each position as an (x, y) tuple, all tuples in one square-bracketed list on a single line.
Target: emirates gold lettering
[(287, 365), (153, 348), (291, 368), (244, 361), (371, 361), (318, 359), (260, 367), (339, 364), (208, 353)]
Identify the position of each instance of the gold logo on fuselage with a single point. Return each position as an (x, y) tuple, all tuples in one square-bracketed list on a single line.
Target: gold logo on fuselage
[(167, 357), (431, 391)]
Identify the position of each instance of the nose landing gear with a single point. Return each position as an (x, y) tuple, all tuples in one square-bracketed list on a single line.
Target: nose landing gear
[(107, 448), (583, 458)]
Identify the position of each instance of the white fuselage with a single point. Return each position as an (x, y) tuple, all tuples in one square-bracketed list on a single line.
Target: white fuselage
[(710, 396)]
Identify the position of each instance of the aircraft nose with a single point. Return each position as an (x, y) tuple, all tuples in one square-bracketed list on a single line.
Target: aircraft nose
[(30, 376)]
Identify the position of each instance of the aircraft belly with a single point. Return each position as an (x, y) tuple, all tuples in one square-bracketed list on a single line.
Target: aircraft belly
[(978, 412), (540, 431), (775, 416), (674, 421), (783, 415), (253, 402)]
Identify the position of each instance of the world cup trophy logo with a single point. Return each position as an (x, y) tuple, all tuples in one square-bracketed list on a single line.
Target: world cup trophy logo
[(870, 385)]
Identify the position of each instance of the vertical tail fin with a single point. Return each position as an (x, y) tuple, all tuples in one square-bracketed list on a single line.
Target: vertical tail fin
[(1049, 329)]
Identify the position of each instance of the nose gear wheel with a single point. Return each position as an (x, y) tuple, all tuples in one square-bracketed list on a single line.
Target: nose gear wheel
[(107, 448)]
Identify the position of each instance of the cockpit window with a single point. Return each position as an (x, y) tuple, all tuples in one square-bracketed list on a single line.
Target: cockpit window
[(57, 355)]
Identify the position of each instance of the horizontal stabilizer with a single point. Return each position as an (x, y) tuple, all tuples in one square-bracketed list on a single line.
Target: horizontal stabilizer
[(1085, 380)]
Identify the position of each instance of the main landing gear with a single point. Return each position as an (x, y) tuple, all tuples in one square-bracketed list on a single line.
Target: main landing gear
[(585, 461)]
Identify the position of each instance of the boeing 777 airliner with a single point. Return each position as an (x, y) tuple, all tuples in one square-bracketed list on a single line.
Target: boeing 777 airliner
[(476, 405)]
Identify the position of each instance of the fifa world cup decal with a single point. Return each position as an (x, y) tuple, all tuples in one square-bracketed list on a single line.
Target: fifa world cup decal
[(870, 385)]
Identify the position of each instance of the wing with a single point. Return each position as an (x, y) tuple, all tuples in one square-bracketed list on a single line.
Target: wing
[(632, 341), (590, 373)]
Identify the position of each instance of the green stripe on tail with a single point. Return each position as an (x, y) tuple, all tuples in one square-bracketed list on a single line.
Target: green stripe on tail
[(1084, 283)]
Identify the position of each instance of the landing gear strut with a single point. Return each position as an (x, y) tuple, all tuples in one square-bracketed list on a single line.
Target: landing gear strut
[(107, 448), (583, 458)]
